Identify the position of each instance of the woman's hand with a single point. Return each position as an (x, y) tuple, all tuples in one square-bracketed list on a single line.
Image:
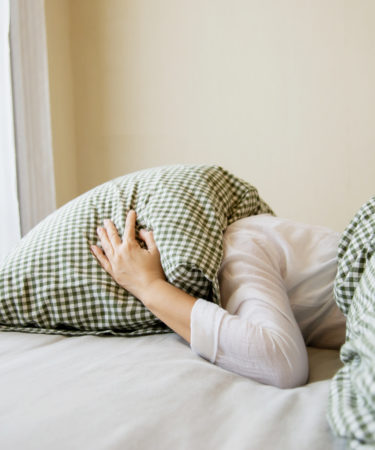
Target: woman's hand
[(132, 267), (139, 271)]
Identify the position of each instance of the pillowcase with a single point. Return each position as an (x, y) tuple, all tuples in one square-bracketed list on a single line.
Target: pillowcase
[(352, 395), (51, 283), (356, 246)]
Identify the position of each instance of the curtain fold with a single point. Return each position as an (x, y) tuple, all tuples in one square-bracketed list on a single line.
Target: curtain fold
[(33, 140), (10, 219)]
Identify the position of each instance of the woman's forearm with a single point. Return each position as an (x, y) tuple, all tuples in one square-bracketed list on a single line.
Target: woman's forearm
[(171, 305)]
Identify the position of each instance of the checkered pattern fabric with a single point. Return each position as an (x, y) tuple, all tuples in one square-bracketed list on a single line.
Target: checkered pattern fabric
[(51, 283), (352, 396), (355, 249)]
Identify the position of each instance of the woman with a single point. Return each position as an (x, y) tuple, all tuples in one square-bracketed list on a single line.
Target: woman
[(276, 284)]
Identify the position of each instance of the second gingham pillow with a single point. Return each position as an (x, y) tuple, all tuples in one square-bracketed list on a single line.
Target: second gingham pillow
[(351, 411), (50, 283)]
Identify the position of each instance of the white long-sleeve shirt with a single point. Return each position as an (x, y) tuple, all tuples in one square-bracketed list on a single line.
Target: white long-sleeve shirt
[(276, 284)]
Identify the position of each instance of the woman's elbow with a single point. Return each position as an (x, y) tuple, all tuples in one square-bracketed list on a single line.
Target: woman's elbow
[(291, 371), (289, 377), (285, 363)]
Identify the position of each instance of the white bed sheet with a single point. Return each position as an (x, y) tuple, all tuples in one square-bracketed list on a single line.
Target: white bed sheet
[(150, 393)]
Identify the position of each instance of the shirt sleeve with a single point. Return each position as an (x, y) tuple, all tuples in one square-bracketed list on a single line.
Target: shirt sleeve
[(257, 335)]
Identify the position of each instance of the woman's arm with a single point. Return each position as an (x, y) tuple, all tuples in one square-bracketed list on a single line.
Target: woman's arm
[(260, 339), (140, 272), (256, 335), (256, 342)]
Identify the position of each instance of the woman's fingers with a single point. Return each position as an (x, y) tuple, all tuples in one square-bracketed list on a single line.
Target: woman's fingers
[(129, 231), (110, 239), (112, 233), (101, 257), (131, 266), (148, 237), (105, 241)]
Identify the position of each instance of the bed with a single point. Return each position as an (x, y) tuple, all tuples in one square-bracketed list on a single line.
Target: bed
[(83, 365), (150, 392)]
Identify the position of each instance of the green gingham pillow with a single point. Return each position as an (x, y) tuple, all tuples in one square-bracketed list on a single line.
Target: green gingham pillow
[(50, 283), (352, 396)]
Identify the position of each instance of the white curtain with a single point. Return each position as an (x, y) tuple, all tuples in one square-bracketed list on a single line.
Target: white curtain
[(10, 221), (27, 187), (33, 140)]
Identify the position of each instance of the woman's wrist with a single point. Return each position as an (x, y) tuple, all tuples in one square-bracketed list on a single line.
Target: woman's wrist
[(153, 292), (170, 304)]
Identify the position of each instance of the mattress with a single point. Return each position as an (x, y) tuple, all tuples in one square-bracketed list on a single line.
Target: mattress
[(150, 392)]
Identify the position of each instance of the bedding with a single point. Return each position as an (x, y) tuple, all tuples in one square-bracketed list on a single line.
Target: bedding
[(152, 392), (352, 396), (51, 283)]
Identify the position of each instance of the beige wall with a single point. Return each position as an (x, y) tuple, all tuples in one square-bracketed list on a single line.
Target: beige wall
[(281, 93)]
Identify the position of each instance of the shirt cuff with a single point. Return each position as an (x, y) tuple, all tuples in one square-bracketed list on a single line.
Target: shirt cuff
[(205, 323)]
